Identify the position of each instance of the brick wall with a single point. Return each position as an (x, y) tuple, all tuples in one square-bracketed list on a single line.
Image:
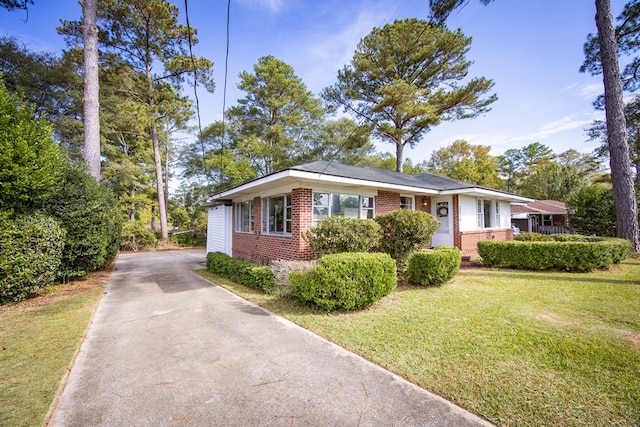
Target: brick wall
[(469, 239), (264, 248), (423, 203), (386, 202)]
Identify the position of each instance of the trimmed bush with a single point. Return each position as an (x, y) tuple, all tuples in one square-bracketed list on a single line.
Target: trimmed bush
[(282, 269), (135, 236), (243, 272), (435, 266), (346, 281), (404, 231), (338, 234), (30, 254), (89, 214), (577, 256)]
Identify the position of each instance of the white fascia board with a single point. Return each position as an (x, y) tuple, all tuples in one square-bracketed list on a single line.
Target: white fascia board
[(319, 178), (251, 184), (484, 192)]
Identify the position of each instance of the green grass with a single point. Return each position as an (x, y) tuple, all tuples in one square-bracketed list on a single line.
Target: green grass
[(38, 339), (516, 347)]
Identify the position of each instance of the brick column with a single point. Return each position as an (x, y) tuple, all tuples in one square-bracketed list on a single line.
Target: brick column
[(301, 220)]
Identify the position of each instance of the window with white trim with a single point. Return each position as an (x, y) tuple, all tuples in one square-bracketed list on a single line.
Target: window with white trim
[(244, 217), (406, 202), (276, 214), (485, 218), (346, 205)]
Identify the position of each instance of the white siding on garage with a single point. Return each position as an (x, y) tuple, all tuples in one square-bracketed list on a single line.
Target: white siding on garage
[(219, 229)]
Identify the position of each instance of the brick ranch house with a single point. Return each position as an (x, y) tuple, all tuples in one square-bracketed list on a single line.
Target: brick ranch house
[(264, 219)]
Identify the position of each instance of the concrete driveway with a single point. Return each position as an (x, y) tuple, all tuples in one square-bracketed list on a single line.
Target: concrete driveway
[(168, 348)]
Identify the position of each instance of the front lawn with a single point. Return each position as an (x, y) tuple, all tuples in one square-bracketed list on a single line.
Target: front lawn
[(38, 339), (516, 347)]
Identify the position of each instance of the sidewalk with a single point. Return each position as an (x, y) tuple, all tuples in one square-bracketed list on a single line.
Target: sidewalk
[(167, 347)]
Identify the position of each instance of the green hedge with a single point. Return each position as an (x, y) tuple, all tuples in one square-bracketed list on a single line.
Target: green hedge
[(88, 212), (189, 239), (339, 234), (346, 281), (243, 272), (135, 236), (434, 267), (30, 255), (599, 253), (405, 231)]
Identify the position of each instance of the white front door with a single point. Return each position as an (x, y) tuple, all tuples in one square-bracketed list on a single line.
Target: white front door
[(442, 209)]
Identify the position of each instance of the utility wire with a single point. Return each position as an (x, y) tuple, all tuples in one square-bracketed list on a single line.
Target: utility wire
[(226, 68), (195, 93)]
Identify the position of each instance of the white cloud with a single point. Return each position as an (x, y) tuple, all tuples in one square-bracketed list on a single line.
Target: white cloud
[(588, 92), (331, 47)]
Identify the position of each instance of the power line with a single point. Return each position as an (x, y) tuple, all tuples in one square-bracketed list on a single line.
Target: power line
[(226, 68), (195, 92)]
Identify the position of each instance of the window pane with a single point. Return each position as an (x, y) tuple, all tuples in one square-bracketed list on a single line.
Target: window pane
[(276, 214), (320, 199), (345, 205), (406, 203), (487, 214), (320, 213)]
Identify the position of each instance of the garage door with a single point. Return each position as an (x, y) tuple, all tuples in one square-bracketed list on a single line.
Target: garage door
[(219, 229)]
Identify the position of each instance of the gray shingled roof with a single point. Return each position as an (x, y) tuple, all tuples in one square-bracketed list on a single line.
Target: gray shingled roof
[(369, 173)]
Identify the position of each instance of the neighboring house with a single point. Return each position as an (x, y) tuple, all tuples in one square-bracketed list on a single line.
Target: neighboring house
[(541, 216), (264, 219)]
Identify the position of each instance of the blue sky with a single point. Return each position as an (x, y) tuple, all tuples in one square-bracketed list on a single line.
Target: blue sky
[(531, 49)]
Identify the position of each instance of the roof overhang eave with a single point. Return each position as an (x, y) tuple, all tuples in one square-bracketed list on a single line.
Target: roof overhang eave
[(476, 191), (318, 178)]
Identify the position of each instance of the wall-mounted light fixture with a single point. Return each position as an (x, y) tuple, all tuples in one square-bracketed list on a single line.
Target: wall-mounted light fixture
[(425, 201)]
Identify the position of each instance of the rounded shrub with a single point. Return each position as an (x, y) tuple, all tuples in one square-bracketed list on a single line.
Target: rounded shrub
[(136, 237), (30, 254), (404, 231), (434, 267), (346, 281), (339, 234)]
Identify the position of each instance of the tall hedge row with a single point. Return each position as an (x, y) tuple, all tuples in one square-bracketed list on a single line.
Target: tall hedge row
[(88, 212), (30, 255), (576, 256)]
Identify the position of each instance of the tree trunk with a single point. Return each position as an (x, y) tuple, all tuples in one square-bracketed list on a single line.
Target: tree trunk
[(399, 155), (157, 161), (622, 181), (166, 175), (91, 103)]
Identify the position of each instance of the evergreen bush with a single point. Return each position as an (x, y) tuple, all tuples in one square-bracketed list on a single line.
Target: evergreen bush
[(346, 281), (30, 255), (243, 272), (434, 267), (89, 214), (404, 231), (339, 234), (135, 236), (579, 256)]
